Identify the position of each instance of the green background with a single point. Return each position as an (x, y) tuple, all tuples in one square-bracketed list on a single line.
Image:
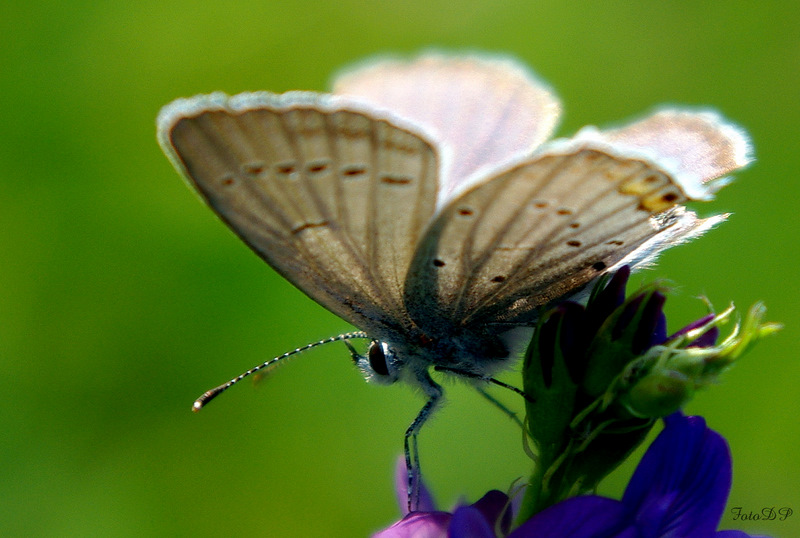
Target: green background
[(122, 298)]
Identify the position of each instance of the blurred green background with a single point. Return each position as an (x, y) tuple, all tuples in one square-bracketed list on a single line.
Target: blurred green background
[(122, 298)]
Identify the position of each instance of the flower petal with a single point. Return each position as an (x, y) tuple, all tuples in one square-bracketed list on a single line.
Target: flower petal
[(693, 325), (425, 501), (495, 505), (707, 339), (482, 110), (606, 301), (681, 485), (468, 522), (588, 516), (737, 534), (418, 525), (652, 327)]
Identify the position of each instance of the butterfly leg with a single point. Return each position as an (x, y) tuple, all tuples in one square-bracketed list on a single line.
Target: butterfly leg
[(434, 392), (500, 405), (472, 375)]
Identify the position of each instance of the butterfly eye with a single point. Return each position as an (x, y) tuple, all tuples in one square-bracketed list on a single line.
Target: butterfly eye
[(377, 357), (379, 364)]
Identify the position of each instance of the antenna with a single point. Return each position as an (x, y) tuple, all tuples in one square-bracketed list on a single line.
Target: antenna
[(213, 393)]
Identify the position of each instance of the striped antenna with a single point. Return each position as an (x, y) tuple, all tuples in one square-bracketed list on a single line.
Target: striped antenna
[(213, 393)]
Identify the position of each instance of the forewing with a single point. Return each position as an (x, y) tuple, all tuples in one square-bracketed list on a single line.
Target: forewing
[(536, 233), (332, 197)]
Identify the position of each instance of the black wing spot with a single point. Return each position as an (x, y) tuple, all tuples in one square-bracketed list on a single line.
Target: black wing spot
[(598, 266), (498, 279), (308, 225), (574, 243), (253, 169), (395, 180), (354, 171), (317, 167), (286, 168), (438, 263), (465, 211)]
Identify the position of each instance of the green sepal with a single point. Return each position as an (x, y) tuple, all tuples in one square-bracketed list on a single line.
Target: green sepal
[(549, 410), (596, 452), (550, 407), (612, 350), (667, 376)]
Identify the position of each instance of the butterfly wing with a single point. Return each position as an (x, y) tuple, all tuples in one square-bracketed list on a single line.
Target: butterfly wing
[(546, 227), (333, 198), (535, 233), (482, 110)]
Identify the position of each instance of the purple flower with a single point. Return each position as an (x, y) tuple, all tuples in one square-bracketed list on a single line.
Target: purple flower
[(598, 376), (479, 520), (679, 489)]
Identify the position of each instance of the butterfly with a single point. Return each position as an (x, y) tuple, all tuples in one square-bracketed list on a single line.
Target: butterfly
[(420, 202)]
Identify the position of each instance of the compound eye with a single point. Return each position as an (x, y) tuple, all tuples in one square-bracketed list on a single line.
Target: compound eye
[(377, 359)]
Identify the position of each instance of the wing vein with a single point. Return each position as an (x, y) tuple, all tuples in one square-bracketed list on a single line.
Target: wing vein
[(478, 265)]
